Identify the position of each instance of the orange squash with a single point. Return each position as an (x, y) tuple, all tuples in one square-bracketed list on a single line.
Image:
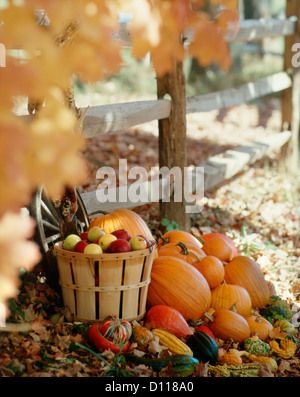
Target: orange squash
[(259, 326), (245, 272), (209, 236), (186, 251), (226, 296), (227, 325), (212, 269), (123, 218), (218, 247), (169, 319), (176, 283), (175, 236)]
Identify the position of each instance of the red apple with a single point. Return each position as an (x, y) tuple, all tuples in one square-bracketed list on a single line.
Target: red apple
[(138, 243), (121, 234), (120, 245), (84, 236), (80, 246)]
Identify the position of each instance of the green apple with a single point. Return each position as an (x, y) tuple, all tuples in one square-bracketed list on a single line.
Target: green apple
[(138, 243), (106, 240), (95, 233), (70, 241), (93, 249)]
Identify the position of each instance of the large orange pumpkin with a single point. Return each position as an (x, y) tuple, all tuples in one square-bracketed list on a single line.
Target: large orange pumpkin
[(176, 283), (186, 251), (122, 218), (245, 272)]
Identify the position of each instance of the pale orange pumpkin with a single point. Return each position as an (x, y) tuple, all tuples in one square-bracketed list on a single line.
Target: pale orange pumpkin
[(123, 218), (227, 325), (245, 272), (186, 251), (209, 236), (259, 326), (218, 247), (212, 269), (176, 283), (229, 296)]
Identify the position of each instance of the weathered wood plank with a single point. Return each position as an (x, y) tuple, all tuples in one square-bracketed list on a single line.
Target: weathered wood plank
[(236, 96), (217, 169), (116, 117)]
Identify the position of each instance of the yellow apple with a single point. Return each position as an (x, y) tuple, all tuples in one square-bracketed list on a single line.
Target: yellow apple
[(95, 233), (93, 249), (70, 241), (106, 240)]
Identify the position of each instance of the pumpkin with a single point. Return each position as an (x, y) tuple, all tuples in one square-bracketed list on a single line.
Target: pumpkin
[(227, 296), (227, 325), (204, 347), (208, 236), (175, 236), (259, 326), (122, 218), (167, 318), (212, 269), (218, 247), (245, 272), (176, 283), (185, 251)]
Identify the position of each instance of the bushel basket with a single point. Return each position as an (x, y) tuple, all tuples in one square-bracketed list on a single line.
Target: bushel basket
[(96, 286)]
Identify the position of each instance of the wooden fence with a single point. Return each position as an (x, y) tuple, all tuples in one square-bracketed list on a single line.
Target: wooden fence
[(116, 117)]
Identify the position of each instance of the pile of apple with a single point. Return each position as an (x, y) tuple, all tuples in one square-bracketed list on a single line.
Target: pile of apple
[(96, 241)]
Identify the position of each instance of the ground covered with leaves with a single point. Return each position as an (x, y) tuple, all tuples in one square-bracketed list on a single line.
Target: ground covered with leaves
[(259, 210)]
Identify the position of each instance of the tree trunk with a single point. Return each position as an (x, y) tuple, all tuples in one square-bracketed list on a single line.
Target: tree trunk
[(172, 142)]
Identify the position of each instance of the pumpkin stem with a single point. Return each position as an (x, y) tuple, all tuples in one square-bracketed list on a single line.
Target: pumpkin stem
[(183, 247), (210, 317), (164, 240), (202, 241)]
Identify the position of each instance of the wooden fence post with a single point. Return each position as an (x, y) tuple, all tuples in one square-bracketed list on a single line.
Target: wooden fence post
[(290, 100), (172, 140)]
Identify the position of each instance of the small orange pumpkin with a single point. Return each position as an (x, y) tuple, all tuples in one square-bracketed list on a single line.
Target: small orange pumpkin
[(186, 251), (176, 283), (259, 326), (175, 236), (227, 296), (209, 236), (212, 269), (245, 272), (218, 247), (227, 325)]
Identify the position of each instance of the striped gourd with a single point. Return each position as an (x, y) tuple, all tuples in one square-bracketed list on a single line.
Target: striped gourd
[(174, 344)]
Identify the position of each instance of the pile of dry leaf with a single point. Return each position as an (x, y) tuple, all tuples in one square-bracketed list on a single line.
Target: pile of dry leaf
[(259, 210)]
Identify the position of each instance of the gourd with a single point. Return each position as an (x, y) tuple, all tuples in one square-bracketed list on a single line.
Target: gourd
[(286, 326), (186, 251), (212, 269), (174, 344), (181, 364), (265, 361), (259, 326), (204, 347), (219, 248), (285, 348), (167, 318), (114, 329), (225, 296), (230, 358), (209, 236), (142, 336), (227, 324), (254, 345), (123, 218), (246, 370), (245, 272), (276, 300), (274, 312), (178, 284), (206, 329), (176, 236)]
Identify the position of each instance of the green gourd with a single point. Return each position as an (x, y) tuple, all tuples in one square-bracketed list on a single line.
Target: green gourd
[(254, 345), (204, 347)]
